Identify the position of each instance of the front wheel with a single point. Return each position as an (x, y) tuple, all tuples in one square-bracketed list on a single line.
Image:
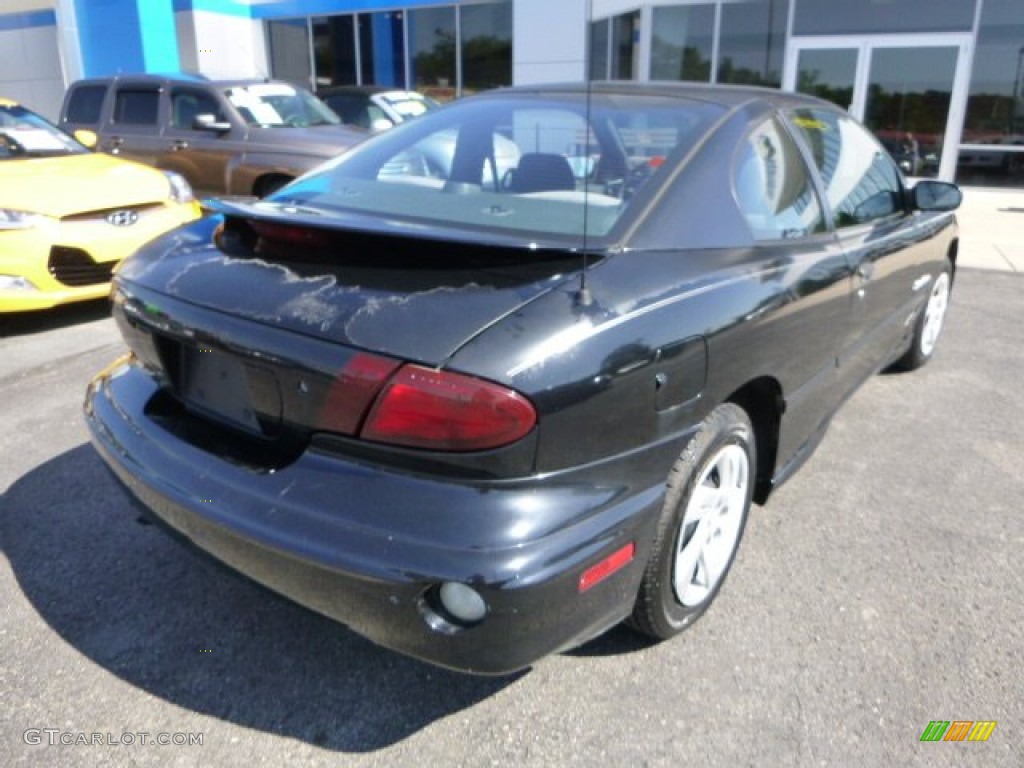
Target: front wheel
[(929, 324), (702, 521)]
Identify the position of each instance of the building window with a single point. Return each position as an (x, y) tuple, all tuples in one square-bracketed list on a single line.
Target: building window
[(334, 47), (599, 50), (752, 42), (486, 46), (614, 47), (432, 51), (444, 50), (850, 17), (625, 36), (681, 42), (994, 125), (288, 50), (829, 74), (382, 48)]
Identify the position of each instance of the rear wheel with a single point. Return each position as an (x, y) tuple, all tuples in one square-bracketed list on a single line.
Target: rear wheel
[(929, 324), (702, 522)]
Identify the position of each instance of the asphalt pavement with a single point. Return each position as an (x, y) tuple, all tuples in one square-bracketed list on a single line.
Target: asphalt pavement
[(879, 590)]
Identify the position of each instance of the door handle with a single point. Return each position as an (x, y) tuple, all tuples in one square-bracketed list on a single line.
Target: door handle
[(865, 271), (113, 144), (179, 145)]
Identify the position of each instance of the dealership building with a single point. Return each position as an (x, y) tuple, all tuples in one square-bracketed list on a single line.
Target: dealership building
[(940, 81)]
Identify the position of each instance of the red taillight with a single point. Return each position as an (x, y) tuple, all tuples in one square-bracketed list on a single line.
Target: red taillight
[(352, 392), (444, 411), (617, 560)]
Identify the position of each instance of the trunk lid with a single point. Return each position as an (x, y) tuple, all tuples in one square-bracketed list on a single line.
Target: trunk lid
[(389, 288)]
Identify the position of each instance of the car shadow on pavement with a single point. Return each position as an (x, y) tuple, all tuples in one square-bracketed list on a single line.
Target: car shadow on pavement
[(620, 640), (26, 323), (177, 626)]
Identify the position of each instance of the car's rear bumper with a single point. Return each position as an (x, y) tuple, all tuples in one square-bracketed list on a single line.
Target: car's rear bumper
[(366, 545)]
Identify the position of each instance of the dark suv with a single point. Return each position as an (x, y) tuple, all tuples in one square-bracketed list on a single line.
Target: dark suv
[(241, 137)]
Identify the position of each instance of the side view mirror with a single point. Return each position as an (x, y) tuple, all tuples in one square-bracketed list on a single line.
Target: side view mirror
[(88, 138), (928, 195), (209, 122)]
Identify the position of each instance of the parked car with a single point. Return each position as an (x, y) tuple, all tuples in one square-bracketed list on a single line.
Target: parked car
[(375, 107), (69, 216), (236, 137), (1006, 156), (480, 418)]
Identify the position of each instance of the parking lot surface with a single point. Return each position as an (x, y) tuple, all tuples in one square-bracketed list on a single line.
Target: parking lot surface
[(879, 590)]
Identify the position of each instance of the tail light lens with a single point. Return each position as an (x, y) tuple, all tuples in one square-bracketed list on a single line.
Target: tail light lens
[(352, 392), (445, 411)]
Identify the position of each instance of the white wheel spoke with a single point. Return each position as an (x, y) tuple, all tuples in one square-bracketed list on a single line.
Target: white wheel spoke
[(703, 503), (934, 314), (711, 523), (687, 559)]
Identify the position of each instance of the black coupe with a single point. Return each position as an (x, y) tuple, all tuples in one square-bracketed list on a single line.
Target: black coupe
[(484, 409)]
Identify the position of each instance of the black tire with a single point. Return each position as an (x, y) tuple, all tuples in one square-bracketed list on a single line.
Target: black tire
[(928, 326), (725, 435)]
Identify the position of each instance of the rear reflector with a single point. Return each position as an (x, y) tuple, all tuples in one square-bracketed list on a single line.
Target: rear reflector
[(614, 562), (445, 411)]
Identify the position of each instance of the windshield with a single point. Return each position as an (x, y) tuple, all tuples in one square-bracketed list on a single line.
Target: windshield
[(548, 164), (407, 104), (276, 105), (26, 134)]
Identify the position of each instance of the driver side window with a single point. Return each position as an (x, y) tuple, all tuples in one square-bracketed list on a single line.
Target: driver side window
[(187, 104), (862, 183)]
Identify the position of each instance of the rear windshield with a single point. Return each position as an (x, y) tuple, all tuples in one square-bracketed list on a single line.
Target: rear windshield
[(551, 165)]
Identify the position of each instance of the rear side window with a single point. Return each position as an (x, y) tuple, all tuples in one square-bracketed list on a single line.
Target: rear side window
[(85, 104), (772, 186), (862, 182), (136, 106)]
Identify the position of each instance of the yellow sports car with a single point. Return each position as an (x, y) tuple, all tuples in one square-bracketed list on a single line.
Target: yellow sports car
[(68, 215)]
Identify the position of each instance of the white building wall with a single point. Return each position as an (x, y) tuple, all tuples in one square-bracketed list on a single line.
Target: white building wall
[(221, 46), (602, 9), (30, 62), (68, 36), (549, 41)]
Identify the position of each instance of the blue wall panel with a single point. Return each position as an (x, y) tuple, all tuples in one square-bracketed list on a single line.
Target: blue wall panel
[(284, 8), (126, 36), (159, 36)]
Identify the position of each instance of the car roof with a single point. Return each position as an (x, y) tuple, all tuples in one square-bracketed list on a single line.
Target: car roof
[(178, 77), (723, 95), (368, 90)]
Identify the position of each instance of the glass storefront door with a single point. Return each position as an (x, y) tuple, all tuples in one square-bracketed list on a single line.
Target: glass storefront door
[(910, 91)]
